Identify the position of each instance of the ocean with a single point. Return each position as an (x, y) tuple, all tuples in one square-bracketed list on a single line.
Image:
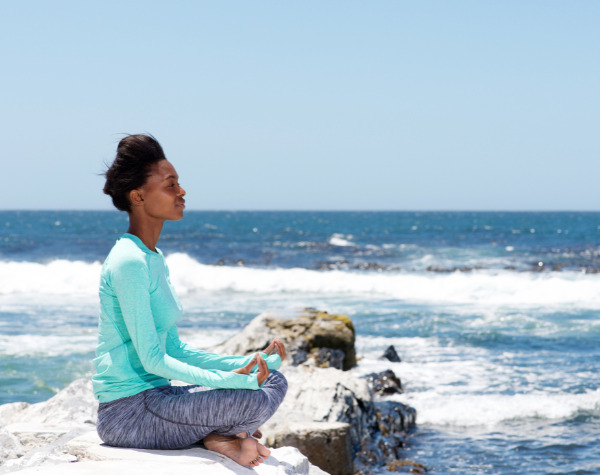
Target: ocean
[(495, 315)]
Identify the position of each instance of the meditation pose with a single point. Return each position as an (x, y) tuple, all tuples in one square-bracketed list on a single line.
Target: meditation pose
[(139, 351)]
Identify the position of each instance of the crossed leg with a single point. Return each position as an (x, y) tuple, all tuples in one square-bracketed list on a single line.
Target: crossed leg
[(173, 417)]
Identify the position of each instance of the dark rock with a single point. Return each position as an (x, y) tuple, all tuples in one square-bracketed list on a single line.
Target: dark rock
[(333, 265), (393, 420), (394, 417), (335, 332), (329, 358), (299, 357), (406, 466), (227, 261), (375, 266), (538, 267), (345, 264), (385, 383), (298, 351), (391, 354), (453, 269)]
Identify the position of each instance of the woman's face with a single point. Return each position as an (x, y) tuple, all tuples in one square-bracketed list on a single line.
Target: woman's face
[(161, 194)]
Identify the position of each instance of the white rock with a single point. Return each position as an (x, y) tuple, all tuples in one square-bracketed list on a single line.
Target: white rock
[(255, 336), (10, 446), (133, 467), (324, 395), (38, 458), (89, 448), (51, 432), (71, 407), (41, 424), (11, 412)]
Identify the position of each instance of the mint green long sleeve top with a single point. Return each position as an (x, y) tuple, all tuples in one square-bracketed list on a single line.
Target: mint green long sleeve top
[(138, 343)]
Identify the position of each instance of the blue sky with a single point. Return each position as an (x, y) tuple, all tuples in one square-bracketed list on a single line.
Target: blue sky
[(390, 105)]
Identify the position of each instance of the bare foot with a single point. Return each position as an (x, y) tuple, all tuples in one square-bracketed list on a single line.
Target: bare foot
[(246, 451), (257, 434)]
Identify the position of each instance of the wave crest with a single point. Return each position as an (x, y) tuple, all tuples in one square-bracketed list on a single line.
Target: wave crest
[(62, 277), (487, 287)]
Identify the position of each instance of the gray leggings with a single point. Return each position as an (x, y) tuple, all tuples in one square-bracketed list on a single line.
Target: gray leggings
[(173, 417)]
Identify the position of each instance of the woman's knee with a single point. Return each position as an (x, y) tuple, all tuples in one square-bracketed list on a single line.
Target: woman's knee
[(276, 385)]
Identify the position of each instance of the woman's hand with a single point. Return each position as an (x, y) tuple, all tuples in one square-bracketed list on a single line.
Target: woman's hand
[(263, 369), (277, 347)]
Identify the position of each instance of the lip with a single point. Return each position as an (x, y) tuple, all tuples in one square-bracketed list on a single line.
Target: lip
[(181, 205)]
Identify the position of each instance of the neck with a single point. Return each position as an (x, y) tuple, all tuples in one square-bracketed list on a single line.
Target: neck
[(147, 230)]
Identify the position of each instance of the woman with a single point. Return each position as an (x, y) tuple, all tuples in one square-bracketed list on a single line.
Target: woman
[(139, 349)]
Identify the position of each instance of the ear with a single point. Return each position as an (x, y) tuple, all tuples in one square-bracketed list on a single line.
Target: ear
[(136, 198)]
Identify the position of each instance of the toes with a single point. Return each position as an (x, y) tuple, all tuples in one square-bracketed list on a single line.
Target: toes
[(263, 451), (257, 461)]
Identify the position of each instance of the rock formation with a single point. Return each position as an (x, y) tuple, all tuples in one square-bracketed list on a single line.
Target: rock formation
[(321, 394), (385, 383), (390, 354), (304, 334)]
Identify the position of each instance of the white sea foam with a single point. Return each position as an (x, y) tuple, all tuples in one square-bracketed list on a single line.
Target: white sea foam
[(80, 280), (47, 345), (36, 345), (464, 387), (57, 277), (481, 287), (491, 409), (205, 340), (341, 240)]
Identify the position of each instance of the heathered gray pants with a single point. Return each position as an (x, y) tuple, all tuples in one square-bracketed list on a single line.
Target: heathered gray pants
[(173, 417)]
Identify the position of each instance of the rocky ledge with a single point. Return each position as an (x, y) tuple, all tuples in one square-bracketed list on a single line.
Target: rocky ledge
[(330, 421)]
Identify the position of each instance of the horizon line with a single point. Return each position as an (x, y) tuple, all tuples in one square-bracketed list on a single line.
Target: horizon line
[(309, 210)]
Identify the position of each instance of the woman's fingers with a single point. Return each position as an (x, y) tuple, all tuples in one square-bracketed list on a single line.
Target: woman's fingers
[(263, 370), (280, 349), (247, 369), (252, 363), (269, 349), (262, 365), (276, 346)]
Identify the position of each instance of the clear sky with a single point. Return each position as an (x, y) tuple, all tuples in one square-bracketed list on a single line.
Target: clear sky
[(385, 105)]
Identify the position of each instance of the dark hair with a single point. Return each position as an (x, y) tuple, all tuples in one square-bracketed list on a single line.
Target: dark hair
[(131, 167)]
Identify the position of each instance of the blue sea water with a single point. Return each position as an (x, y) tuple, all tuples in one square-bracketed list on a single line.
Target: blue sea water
[(496, 316)]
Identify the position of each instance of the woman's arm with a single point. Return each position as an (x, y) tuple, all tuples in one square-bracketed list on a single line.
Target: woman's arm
[(207, 360)]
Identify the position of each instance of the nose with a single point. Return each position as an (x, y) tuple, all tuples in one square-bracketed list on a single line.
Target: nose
[(181, 191)]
